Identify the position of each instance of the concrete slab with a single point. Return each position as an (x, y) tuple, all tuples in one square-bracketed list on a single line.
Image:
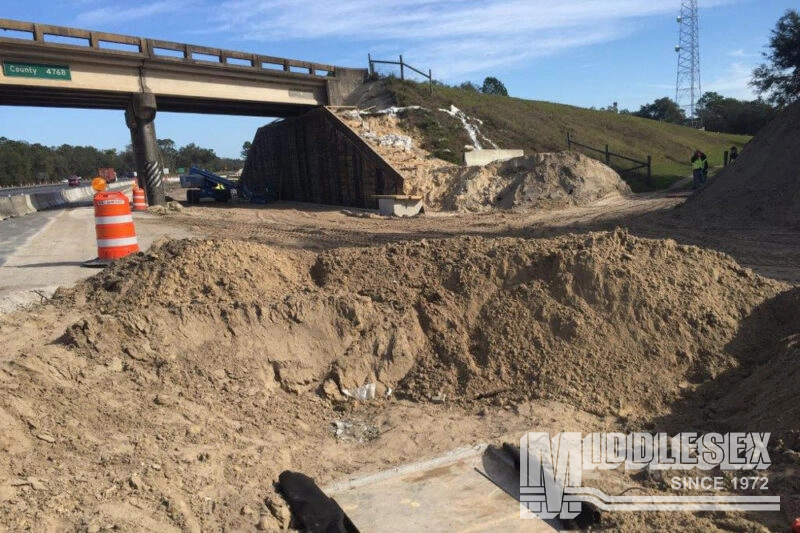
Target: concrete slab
[(55, 245), (469, 489), (399, 205), (484, 157)]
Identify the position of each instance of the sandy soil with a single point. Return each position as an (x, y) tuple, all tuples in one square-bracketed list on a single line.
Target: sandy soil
[(168, 392), (142, 401), (770, 251)]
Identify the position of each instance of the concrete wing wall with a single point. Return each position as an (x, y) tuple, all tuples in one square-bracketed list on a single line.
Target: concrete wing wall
[(317, 158)]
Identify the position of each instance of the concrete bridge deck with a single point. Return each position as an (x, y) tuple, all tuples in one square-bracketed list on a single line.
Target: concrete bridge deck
[(55, 66)]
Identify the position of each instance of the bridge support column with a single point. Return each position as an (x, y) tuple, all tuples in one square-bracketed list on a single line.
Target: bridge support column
[(140, 117)]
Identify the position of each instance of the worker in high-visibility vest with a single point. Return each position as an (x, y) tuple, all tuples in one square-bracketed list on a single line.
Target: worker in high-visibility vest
[(699, 169)]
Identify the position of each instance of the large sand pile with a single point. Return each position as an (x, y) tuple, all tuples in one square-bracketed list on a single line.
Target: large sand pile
[(465, 317), (763, 187), (173, 395), (539, 181)]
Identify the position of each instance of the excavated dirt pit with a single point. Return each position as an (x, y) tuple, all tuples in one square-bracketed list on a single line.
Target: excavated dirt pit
[(167, 392)]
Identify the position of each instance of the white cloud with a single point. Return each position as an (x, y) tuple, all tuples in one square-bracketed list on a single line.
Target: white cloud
[(741, 54), (454, 37), (733, 82), (119, 14)]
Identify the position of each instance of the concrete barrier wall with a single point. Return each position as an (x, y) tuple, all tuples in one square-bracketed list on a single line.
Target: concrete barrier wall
[(22, 204), (477, 158), (6, 207), (25, 204), (45, 200)]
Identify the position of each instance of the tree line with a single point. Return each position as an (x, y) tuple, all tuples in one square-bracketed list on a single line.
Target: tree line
[(23, 163), (714, 112)]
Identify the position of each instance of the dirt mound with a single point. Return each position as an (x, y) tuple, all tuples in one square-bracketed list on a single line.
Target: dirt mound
[(763, 186), (190, 375), (564, 319), (464, 318), (759, 395), (540, 181), (205, 272)]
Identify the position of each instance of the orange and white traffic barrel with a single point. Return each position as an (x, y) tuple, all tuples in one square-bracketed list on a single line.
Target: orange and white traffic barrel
[(139, 201), (116, 234)]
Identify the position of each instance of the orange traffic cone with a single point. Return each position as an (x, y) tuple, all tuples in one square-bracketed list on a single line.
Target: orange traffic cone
[(139, 201), (116, 234)]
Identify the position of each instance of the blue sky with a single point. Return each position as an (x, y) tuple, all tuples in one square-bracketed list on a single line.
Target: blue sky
[(579, 52)]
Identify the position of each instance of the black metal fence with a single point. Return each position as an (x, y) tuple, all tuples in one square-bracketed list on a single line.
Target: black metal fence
[(607, 155), (403, 67)]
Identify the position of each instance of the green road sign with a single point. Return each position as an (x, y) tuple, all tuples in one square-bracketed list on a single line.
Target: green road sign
[(36, 70)]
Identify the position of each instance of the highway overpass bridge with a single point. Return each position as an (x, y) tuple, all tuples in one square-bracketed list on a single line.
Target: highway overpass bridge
[(55, 66)]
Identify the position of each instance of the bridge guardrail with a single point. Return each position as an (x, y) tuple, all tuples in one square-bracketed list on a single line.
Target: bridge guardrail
[(154, 48)]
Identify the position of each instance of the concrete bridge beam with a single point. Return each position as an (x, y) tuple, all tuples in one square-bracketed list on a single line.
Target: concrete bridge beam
[(140, 118)]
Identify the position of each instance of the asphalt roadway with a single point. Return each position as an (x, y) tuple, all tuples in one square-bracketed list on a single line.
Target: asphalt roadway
[(45, 250), (15, 232)]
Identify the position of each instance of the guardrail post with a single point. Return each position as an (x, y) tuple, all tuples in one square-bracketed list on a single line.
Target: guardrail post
[(608, 156), (649, 171), (402, 73), (569, 143), (725, 159)]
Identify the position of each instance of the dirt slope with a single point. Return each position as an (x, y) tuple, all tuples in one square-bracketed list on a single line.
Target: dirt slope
[(539, 181), (763, 187)]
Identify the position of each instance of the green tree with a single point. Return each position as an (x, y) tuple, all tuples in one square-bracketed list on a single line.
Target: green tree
[(192, 155), (779, 79), (728, 115), (246, 149), (494, 86), (14, 165), (127, 160), (169, 154), (662, 109)]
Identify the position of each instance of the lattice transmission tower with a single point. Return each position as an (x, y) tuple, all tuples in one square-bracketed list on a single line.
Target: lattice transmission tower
[(687, 88)]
